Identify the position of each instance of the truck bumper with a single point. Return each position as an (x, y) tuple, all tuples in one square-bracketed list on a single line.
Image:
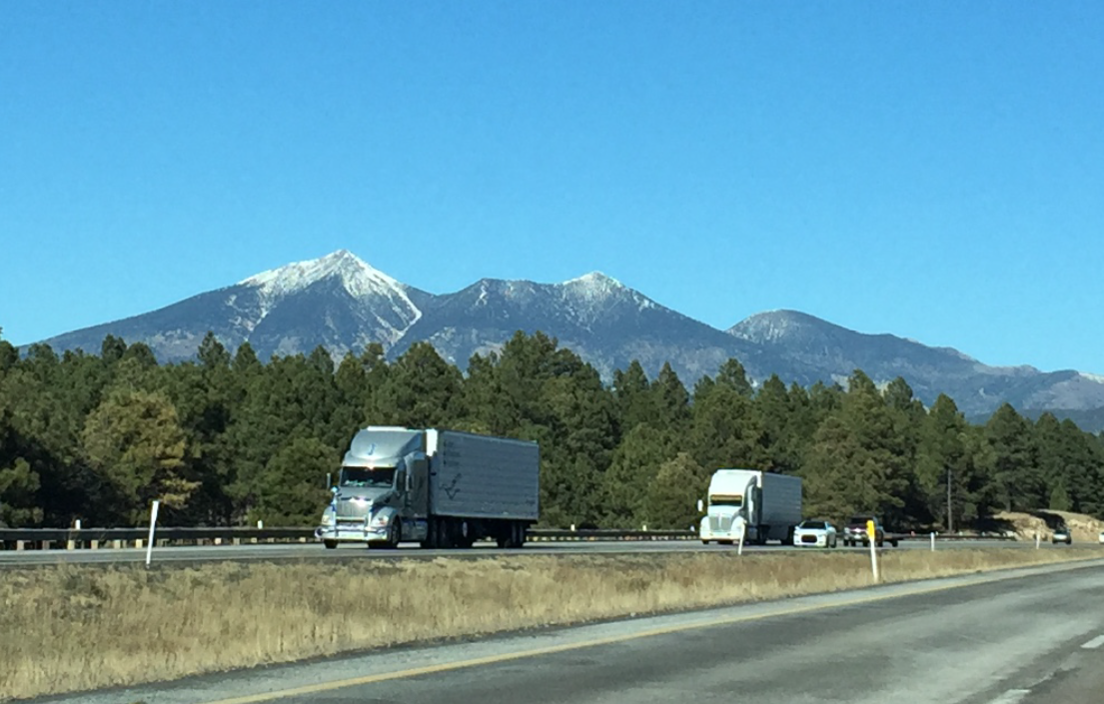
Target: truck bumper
[(729, 537), (349, 534)]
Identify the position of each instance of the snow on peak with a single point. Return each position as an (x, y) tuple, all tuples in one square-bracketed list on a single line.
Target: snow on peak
[(595, 280), (358, 279), (1092, 377), (596, 287)]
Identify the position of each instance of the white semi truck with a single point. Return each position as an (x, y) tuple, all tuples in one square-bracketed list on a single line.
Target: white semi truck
[(440, 488), (762, 505)]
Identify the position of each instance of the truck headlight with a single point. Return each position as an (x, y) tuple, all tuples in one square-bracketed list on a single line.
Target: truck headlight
[(327, 518), (379, 521)]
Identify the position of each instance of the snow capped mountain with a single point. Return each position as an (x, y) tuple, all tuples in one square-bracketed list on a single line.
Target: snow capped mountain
[(343, 304), (357, 278)]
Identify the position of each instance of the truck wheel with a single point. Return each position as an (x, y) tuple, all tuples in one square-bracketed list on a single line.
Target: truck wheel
[(394, 534), (330, 544), (893, 542)]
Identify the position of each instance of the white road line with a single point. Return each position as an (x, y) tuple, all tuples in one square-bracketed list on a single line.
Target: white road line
[(1011, 696), (1094, 643)]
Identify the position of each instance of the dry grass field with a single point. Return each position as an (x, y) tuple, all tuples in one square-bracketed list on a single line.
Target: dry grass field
[(72, 628)]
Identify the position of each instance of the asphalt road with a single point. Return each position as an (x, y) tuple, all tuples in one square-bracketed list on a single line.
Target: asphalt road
[(315, 551), (1025, 636)]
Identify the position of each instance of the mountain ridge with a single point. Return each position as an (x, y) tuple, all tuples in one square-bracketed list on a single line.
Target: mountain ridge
[(343, 303)]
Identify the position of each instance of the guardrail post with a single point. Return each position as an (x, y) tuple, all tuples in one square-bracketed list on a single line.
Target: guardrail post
[(20, 545), (153, 526)]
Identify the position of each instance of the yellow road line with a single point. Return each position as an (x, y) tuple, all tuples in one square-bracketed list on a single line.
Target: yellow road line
[(552, 649)]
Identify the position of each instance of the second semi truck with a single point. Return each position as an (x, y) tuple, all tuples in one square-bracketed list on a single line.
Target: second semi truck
[(764, 505)]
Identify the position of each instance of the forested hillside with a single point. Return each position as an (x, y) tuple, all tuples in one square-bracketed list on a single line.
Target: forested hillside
[(229, 439)]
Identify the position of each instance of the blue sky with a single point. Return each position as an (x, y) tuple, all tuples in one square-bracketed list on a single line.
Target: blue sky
[(933, 170)]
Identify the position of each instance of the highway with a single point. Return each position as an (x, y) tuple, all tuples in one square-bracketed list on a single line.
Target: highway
[(1029, 636), (315, 551)]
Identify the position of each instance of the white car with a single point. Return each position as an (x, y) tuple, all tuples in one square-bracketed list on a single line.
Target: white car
[(815, 533), (1102, 537)]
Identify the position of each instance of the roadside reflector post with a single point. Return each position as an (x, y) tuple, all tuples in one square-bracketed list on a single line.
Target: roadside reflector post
[(933, 541), (153, 525), (1036, 540), (741, 531), (871, 534)]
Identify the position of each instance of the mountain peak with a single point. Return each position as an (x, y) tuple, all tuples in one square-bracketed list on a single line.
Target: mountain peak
[(774, 325), (357, 277), (595, 280)]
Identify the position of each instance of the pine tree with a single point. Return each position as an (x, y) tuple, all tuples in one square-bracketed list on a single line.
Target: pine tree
[(672, 495), (134, 441)]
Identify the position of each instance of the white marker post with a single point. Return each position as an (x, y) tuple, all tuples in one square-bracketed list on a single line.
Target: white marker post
[(1036, 540), (870, 533), (741, 529), (933, 541), (153, 524)]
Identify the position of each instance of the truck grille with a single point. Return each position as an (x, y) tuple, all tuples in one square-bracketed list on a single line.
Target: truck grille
[(349, 508), (720, 524)]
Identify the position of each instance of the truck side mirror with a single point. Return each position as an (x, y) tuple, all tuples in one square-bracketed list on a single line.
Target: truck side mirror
[(333, 490), (701, 506)]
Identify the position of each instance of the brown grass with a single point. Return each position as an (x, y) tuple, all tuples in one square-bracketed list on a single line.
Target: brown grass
[(71, 628)]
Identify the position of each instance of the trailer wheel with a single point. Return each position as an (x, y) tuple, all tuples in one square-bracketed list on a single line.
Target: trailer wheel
[(466, 538), (330, 544), (432, 541)]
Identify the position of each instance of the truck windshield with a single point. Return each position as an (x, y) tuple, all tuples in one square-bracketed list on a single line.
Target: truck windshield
[(726, 500), (367, 476)]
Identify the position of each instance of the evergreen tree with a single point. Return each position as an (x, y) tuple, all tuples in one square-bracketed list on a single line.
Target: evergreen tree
[(670, 399), (134, 441), (295, 488), (726, 432), (673, 494), (421, 390), (856, 462), (631, 390), (634, 466), (1017, 481)]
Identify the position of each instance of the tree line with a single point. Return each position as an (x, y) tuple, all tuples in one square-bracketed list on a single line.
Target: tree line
[(228, 440)]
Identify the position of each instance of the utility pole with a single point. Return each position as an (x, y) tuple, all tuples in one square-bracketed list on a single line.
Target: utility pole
[(950, 515)]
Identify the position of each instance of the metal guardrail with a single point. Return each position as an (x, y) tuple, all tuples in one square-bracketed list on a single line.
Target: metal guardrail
[(72, 538)]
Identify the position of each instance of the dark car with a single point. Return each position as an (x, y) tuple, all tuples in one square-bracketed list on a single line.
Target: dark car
[(855, 532), (1062, 535)]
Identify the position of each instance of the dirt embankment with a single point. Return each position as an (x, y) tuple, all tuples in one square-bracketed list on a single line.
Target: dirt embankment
[(1085, 529)]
